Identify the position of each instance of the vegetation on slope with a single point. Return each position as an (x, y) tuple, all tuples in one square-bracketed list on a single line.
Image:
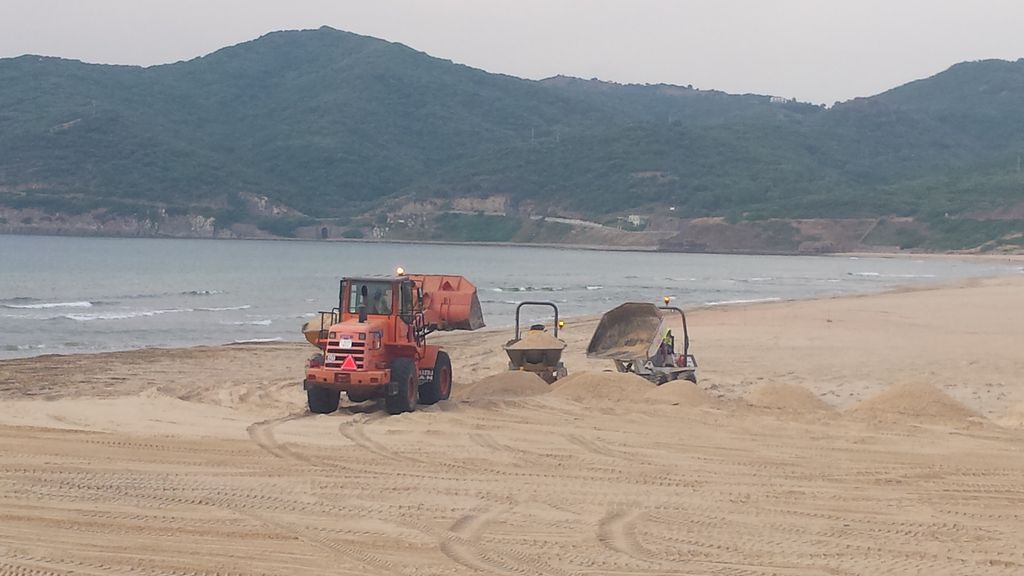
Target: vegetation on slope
[(336, 125)]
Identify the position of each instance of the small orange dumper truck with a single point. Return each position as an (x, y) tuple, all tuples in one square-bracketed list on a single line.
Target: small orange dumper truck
[(373, 345)]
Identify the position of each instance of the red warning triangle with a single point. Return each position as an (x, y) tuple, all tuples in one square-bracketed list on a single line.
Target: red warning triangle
[(348, 364)]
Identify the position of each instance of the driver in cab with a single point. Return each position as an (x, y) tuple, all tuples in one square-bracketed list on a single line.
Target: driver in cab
[(380, 303)]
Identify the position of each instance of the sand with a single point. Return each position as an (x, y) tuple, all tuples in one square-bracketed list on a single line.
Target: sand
[(915, 402), (784, 396), (869, 435)]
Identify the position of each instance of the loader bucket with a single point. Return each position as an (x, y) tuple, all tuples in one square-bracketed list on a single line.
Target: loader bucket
[(628, 332), (451, 302)]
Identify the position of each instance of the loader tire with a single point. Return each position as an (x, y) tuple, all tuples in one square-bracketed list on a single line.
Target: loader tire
[(440, 386), (403, 373), (322, 400)]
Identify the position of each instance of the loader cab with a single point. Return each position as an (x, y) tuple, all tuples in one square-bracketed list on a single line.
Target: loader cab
[(380, 296), (376, 296)]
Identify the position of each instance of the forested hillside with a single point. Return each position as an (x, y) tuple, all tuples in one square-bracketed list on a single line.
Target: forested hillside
[(328, 129)]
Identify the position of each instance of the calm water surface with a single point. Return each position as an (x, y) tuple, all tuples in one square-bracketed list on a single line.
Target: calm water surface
[(64, 295)]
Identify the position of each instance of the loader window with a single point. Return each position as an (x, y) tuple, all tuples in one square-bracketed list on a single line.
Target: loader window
[(406, 304), (376, 296)]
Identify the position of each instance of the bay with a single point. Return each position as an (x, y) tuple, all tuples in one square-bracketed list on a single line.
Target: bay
[(71, 295)]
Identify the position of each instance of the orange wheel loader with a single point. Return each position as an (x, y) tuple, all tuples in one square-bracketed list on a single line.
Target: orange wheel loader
[(374, 344)]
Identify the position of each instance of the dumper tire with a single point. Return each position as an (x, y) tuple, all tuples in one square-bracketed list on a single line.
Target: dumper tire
[(322, 400), (439, 387), (403, 373)]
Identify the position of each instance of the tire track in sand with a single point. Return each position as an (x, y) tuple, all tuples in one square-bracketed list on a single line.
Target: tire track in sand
[(615, 531), (335, 549), (262, 433), (598, 448), (461, 544), (354, 430)]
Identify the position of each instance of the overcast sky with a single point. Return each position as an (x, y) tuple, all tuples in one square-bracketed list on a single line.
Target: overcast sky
[(814, 50)]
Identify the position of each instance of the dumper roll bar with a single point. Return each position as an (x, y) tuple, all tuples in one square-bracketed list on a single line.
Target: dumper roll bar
[(686, 333), (553, 307)]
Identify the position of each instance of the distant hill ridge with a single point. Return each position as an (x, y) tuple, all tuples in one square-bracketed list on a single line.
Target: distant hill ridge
[(339, 133)]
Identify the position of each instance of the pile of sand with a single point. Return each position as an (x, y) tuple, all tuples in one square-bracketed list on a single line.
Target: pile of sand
[(914, 402), (588, 387), (681, 393), (1014, 418), (511, 384), (782, 396)]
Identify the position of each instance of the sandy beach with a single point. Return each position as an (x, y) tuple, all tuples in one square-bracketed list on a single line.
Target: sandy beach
[(879, 434)]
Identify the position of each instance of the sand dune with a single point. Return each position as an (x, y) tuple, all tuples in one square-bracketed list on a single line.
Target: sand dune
[(868, 435)]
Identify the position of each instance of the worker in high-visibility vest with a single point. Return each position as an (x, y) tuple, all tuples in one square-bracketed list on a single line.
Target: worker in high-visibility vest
[(667, 349)]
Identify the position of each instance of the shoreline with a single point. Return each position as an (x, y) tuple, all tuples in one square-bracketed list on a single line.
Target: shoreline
[(1014, 257), (570, 321)]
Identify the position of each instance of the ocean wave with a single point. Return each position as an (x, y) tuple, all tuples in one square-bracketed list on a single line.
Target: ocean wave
[(18, 299), (257, 340), (123, 315), (527, 289), (47, 305), (201, 292), (249, 323), (595, 287), (908, 275), (224, 308), (23, 347), (746, 301), (880, 275)]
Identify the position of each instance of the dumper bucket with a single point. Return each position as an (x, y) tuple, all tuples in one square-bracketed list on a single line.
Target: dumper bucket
[(629, 332), (536, 348), (316, 329)]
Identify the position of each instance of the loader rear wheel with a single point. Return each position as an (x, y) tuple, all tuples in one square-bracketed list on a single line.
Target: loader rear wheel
[(440, 385), (403, 373), (322, 400)]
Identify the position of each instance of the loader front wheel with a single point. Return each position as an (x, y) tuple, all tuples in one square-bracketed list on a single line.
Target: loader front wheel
[(440, 386), (403, 375), (322, 400)]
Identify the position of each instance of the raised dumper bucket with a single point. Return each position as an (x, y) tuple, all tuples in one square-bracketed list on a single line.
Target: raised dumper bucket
[(628, 332)]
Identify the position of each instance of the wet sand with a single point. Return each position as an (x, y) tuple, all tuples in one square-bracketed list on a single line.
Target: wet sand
[(858, 435)]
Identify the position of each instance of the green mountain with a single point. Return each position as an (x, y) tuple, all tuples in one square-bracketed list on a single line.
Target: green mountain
[(327, 126)]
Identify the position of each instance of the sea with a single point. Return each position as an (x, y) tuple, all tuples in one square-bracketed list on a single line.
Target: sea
[(62, 295)]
